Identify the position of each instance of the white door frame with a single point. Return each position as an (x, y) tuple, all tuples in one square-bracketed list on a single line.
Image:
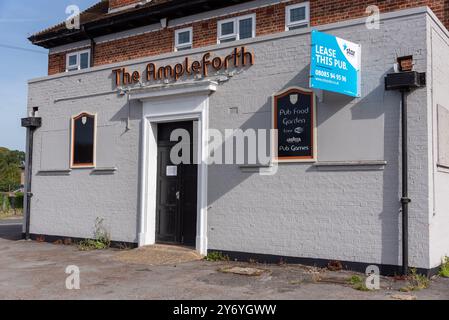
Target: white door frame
[(173, 103)]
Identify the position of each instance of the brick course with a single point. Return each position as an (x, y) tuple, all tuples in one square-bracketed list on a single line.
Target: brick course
[(57, 61), (269, 20), (113, 4)]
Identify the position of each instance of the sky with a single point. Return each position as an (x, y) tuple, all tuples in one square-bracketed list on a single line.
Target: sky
[(21, 61)]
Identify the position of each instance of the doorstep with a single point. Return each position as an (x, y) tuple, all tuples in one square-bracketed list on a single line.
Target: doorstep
[(159, 254)]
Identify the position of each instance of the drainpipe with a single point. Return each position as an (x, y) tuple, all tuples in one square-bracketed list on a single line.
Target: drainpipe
[(129, 110), (404, 80), (92, 45), (31, 123), (405, 200), (127, 92)]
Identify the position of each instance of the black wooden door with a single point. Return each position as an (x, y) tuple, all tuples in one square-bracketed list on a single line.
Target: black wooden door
[(177, 190)]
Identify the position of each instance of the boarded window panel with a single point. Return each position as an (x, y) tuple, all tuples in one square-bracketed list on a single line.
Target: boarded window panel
[(362, 138), (106, 149), (83, 140), (184, 37), (55, 150), (227, 28), (298, 14), (84, 60), (443, 136), (73, 60), (246, 28)]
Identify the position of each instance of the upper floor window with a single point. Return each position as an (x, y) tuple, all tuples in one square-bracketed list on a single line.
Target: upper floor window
[(83, 140), (183, 39), (237, 28), (78, 60), (297, 16)]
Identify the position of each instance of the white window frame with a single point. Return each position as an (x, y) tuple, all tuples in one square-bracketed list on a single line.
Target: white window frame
[(292, 24), (179, 46), (78, 60), (236, 22)]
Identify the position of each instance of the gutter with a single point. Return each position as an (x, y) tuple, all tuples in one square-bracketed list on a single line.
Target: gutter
[(128, 20), (92, 45)]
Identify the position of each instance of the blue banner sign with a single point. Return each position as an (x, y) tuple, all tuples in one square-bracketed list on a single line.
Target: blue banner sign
[(335, 64)]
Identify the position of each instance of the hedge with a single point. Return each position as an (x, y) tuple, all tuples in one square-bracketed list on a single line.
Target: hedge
[(19, 200), (7, 203)]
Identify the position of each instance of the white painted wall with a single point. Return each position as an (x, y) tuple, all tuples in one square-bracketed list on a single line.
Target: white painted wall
[(344, 213), (170, 105), (438, 38)]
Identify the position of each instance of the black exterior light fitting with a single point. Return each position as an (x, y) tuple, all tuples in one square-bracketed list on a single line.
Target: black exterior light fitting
[(404, 81), (31, 123)]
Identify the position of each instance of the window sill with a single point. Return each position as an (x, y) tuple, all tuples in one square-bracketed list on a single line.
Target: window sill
[(351, 165), (179, 49), (442, 168), (256, 168), (293, 27), (325, 165), (82, 167), (55, 172), (104, 171), (77, 70)]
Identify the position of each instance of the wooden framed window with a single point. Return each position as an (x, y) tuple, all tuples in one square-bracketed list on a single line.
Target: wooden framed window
[(83, 140)]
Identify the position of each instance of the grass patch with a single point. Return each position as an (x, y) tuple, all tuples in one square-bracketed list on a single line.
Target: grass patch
[(10, 214), (416, 281), (215, 256), (357, 283), (444, 270)]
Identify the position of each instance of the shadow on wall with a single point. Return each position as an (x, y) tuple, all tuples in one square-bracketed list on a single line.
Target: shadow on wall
[(375, 104), (132, 112), (369, 108), (260, 119)]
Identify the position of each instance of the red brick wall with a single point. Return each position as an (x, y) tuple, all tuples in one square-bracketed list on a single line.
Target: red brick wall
[(56, 63), (120, 3), (144, 45), (269, 20), (329, 11)]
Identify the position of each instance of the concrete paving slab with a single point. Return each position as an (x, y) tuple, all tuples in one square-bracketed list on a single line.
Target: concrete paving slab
[(32, 270), (158, 255)]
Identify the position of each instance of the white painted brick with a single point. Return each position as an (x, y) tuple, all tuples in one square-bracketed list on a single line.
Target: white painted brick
[(302, 211)]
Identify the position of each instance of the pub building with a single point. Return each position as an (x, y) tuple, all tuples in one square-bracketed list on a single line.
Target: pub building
[(355, 108)]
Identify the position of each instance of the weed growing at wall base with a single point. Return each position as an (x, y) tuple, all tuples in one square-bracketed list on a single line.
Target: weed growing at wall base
[(101, 241), (444, 270), (417, 282), (358, 284), (90, 244), (216, 256)]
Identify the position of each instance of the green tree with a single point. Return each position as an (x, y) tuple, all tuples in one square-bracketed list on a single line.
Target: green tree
[(10, 169)]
